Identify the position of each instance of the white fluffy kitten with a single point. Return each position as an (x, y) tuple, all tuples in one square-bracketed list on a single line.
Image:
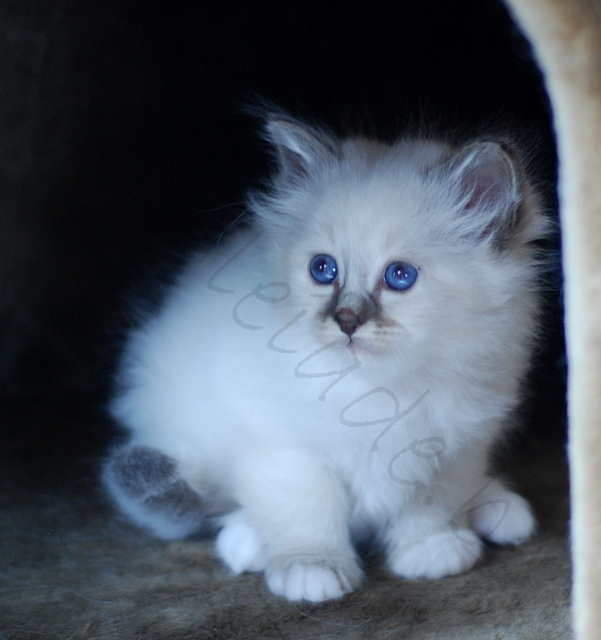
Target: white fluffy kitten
[(341, 368)]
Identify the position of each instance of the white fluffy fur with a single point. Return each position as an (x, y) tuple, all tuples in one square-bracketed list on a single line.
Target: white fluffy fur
[(246, 380)]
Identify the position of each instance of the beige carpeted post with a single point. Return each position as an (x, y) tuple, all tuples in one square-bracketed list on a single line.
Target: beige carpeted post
[(566, 36)]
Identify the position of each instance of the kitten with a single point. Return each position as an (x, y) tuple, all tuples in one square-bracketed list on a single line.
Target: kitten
[(339, 369)]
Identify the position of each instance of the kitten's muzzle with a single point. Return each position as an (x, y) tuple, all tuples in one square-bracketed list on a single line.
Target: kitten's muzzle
[(351, 311), (348, 321)]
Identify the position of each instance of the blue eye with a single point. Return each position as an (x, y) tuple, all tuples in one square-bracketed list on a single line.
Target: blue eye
[(400, 275), (324, 269)]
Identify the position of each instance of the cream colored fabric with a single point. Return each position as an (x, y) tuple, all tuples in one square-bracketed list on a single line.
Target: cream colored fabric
[(566, 35)]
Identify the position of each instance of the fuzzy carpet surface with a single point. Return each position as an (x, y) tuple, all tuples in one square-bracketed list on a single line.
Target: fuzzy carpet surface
[(71, 568)]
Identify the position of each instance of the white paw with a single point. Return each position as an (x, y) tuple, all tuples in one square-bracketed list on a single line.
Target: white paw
[(438, 555), (314, 580), (505, 518), (239, 545)]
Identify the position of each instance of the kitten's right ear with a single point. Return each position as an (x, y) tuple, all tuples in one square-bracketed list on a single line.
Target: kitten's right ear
[(486, 177), (300, 147)]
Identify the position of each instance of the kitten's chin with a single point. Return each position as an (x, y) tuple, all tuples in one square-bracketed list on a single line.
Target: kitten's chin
[(360, 346), (368, 349), (365, 348)]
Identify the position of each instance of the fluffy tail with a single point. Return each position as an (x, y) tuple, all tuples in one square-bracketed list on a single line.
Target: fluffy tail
[(147, 487)]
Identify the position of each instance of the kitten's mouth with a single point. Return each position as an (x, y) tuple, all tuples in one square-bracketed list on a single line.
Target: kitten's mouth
[(365, 347), (352, 344), (356, 344)]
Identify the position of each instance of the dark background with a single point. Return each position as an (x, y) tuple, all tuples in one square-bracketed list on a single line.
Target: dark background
[(123, 141)]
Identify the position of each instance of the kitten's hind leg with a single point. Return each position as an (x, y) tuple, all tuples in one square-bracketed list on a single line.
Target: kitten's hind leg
[(239, 545), (424, 544), (500, 515), (146, 485), (439, 536)]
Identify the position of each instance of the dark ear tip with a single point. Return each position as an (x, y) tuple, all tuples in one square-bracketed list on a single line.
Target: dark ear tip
[(490, 150), (502, 151), (490, 158)]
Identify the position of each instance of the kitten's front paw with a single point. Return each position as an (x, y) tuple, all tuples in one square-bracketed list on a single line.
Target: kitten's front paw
[(239, 545), (436, 556), (313, 579), (505, 518)]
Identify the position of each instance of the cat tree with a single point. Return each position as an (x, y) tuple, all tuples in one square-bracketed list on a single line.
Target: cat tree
[(566, 37)]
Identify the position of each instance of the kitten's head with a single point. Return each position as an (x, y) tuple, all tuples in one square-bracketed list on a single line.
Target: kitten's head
[(401, 249)]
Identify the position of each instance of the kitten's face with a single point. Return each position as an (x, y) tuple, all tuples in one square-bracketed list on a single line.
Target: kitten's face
[(373, 272), (416, 251)]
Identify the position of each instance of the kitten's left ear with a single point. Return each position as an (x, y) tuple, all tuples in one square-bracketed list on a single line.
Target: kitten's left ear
[(487, 178), (300, 147)]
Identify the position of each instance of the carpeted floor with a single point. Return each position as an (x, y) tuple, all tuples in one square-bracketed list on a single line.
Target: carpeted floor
[(70, 568)]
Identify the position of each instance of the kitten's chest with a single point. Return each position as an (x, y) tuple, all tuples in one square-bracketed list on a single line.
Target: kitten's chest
[(383, 461), (370, 431)]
